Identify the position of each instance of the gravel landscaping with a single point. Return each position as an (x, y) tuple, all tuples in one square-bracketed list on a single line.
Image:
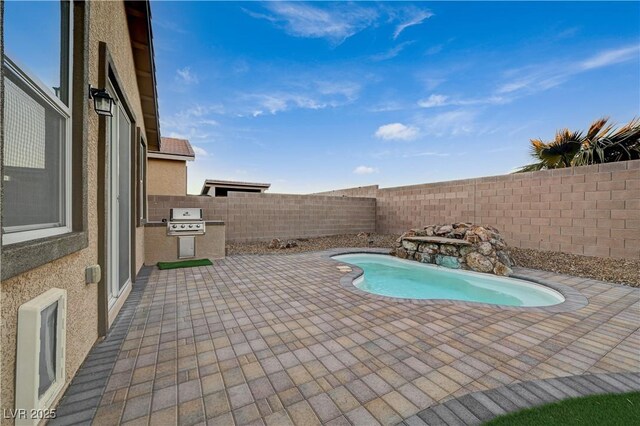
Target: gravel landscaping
[(623, 271), (316, 243)]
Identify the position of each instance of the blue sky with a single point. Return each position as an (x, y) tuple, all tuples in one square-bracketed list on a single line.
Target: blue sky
[(316, 96)]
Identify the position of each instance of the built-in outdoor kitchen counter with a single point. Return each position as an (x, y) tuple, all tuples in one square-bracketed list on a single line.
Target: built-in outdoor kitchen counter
[(185, 235)]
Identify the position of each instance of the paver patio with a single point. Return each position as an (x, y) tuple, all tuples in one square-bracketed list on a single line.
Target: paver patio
[(276, 339)]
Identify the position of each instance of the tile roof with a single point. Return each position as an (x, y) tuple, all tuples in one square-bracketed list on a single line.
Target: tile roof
[(175, 146)]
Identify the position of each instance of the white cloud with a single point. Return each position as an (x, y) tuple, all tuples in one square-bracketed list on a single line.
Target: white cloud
[(416, 18), (336, 23), (325, 94), (611, 57), (274, 103), (392, 53), (364, 170), (442, 100), (397, 131), (200, 152), (433, 101), (451, 123), (537, 78), (427, 154), (433, 50), (185, 75), (348, 89)]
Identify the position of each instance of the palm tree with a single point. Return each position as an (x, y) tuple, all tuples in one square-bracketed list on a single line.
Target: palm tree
[(601, 144), (555, 154), (604, 144)]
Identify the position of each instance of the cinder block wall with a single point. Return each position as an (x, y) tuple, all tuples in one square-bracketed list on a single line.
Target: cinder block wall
[(260, 217), (370, 191), (590, 210)]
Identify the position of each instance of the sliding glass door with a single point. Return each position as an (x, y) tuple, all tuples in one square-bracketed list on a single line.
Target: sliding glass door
[(119, 201)]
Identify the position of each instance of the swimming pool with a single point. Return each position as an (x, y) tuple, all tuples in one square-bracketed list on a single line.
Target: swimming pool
[(389, 276)]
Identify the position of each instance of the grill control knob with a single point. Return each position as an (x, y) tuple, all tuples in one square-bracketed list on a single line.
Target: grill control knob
[(190, 226), (197, 226), (181, 226), (174, 226)]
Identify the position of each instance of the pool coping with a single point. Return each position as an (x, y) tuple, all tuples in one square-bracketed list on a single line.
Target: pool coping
[(574, 300)]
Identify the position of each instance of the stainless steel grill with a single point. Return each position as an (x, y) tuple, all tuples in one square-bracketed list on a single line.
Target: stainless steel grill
[(186, 221)]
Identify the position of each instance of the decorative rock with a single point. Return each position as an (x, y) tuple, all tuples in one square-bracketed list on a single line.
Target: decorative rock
[(478, 262), (485, 248), (275, 243), (460, 246), (443, 230), (362, 235), (292, 243), (409, 245), (429, 248), (502, 269), (466, 250), (447, 261), (471, 237), (483, 234), (504, 258), (448, 250)]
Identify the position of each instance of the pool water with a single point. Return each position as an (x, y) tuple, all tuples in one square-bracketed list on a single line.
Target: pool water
[(389, 276)]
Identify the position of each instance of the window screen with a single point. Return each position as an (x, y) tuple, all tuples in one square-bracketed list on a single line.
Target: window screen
[(37, 142), (34, 147)]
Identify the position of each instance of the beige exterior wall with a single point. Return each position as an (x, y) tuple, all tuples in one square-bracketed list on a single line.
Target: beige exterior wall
[(167, 177), (590, 210), (254, 217), (68, 272)]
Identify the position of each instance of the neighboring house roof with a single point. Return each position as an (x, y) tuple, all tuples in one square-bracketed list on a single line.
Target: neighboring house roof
[(231, 184), (139, 20), (174, 149)]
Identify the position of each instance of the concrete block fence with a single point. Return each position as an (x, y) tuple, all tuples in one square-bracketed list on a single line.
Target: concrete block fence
[(589, 210), (261, 217)]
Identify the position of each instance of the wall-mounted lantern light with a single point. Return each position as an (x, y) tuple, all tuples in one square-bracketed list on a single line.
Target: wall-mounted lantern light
[(102, 101)]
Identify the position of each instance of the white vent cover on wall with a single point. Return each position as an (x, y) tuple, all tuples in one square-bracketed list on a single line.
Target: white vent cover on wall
[(40, 373)]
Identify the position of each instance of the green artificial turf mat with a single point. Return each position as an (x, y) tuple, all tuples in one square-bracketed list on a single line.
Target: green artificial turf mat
[(621, 409), (184, 264)]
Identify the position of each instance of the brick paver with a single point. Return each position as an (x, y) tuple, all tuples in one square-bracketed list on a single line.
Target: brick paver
[(278, 339), (479, 407)]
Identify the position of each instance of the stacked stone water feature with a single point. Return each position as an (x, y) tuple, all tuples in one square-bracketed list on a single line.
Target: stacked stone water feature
[(457, 246)]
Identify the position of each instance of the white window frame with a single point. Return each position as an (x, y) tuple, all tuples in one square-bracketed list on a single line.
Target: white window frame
[(16, 71), (28, 356)]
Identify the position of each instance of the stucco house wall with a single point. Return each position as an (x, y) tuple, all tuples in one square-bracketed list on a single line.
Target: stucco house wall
[(107, 23), (167, 177)]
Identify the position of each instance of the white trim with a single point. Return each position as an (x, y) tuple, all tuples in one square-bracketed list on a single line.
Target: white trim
[(28, 356), (169, 156), (18, 237)]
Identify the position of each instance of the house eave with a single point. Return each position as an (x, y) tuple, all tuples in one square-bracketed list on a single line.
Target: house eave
[(141, 35)]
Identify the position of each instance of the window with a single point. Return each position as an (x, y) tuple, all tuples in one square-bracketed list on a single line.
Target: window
[(142, 182), (37, 117), (40, 361)]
